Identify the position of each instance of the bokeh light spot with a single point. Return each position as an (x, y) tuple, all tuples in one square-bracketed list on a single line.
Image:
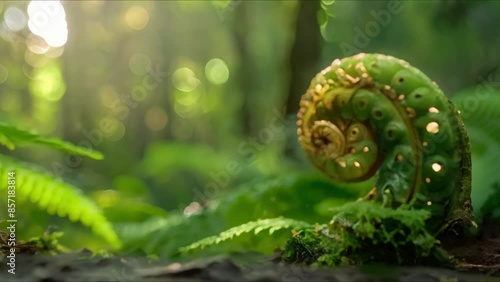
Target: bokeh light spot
[(15, 19), (137, 17), (36, 44), (54, 52), (48, 83), (185, 80), (139, 64), (112, 128), (156, 118), (216, 71), (47, 19), (193, 208)]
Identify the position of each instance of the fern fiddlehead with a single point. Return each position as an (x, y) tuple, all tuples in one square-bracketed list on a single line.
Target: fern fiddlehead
[(375, 115)]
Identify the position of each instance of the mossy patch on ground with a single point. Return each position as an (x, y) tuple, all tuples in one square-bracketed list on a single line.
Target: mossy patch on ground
[(363, 232)]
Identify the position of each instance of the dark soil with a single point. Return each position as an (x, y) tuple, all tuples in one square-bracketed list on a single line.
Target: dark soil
[(78, 267), (480, 252)]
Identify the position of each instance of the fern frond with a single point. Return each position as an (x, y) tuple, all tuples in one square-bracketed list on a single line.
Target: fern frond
[(273, 224), (56, 197), (11, 137)]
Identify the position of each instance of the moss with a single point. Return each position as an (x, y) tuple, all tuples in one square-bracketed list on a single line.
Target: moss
[(362, 232)]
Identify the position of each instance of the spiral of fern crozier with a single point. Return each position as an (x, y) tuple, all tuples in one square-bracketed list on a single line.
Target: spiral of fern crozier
[(375, 115)]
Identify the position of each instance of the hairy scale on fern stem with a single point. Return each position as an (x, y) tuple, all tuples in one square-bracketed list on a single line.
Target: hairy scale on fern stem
[(376, 115)]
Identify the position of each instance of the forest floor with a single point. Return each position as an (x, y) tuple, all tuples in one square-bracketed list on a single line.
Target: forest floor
[(79, 267), (478, 260)]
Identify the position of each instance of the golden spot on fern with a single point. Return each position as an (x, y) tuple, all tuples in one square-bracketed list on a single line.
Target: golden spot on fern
[(318, 88), (360, 67), (433, 110), (436, 167), (352, 79), (432, 127)]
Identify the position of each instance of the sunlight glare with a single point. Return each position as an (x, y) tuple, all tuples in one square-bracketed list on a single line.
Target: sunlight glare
[(47, 19)]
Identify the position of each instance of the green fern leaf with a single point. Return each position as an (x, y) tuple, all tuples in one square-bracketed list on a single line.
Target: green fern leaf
[(11, 137), (273, 224), (56, 197)]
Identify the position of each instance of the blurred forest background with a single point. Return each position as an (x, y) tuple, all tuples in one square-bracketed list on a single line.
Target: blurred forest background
[(189, 99)]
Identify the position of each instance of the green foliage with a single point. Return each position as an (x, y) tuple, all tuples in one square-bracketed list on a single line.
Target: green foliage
[(49, 193), (363, 232), (307, 246), (273, 224), (48, 243), (11, 137), (301, 197), (56, 197)]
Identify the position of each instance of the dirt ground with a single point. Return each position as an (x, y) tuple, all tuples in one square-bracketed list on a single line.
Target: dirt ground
[(482, 252), (78, 267)]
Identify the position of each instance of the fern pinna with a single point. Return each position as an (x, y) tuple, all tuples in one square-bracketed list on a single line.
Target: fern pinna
[(49, 193), (273, 224)]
